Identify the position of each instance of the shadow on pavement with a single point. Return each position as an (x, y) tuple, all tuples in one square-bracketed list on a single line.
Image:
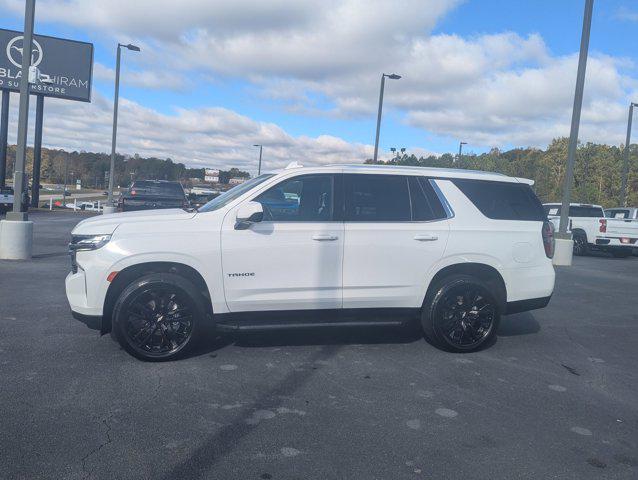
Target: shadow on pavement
[(518, 324)]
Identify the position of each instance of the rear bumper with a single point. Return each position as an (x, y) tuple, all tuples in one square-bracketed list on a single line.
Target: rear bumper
[(617, 242), (526, 305)]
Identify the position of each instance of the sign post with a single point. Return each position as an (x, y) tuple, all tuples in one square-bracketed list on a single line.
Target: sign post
[(4, 128)]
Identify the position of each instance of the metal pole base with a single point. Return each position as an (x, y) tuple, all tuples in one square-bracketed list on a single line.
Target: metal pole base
[(107, 209), (16, 240), (563, 252)]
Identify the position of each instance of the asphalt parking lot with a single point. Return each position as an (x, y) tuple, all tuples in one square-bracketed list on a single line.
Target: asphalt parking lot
[(556, 396)]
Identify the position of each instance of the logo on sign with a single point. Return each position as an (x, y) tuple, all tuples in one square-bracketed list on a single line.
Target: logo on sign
[(15, 51)]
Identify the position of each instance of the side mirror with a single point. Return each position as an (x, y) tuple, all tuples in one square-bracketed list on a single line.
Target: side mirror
[(248, 213)]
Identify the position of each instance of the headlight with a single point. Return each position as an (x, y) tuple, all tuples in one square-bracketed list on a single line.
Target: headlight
[(88, 242)]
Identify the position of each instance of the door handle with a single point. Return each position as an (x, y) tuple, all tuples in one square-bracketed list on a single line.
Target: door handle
[(426, 238), (324, 238)]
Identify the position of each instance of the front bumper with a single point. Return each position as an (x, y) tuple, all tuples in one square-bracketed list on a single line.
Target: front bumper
[(75, 285)]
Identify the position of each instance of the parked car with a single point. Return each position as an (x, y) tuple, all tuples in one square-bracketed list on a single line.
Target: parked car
[(6, 199), (453, 248), (623, 213), (592, 230), (198, 200), (153, 194)]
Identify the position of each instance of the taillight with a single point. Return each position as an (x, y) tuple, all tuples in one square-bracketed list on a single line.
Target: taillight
[(548, 239), (603, 225)]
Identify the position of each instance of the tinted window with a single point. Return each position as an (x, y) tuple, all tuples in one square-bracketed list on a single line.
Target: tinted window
[(617, 213), (551, 210), (502, 200), (308, 198), (377, 198), (425, 203), (585, 211), (169, 189)]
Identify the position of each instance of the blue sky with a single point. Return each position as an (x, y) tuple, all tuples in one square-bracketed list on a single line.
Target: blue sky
[(461, 61)]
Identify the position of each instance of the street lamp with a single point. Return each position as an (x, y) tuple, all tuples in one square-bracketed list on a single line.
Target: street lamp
[(260, 150), (563, 240), (392, 76), (625, 167), (461, 149), (133, 48)]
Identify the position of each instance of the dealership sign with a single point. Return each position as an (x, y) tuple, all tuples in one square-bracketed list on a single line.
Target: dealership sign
[(65, 66)]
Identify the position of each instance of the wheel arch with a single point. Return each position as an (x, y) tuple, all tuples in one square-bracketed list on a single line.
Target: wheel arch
[(485, 272), (132, 272)]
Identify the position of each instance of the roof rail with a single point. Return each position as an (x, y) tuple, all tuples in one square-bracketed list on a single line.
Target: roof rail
[(293, 165)]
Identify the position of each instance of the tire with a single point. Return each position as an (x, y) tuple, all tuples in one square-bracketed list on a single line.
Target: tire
[(621, 252), (581, 247), (451, 323), (142, 314)]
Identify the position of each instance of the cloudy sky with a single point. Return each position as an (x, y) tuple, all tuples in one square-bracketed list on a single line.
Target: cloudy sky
[(302, 77)]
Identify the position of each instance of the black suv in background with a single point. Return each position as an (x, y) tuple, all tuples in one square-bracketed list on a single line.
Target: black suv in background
[(153, 194)]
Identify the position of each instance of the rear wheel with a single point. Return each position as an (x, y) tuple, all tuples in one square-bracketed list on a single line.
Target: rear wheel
[(157, 317), (581, 247), (460, 314)]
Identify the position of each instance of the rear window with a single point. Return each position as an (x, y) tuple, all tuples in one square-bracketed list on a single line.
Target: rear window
[(617, 213), (502, 200), (584, 211), (165, 189)]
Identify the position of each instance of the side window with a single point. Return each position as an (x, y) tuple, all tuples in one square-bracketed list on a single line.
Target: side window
[(425, 203), (377, 198), (502, 200), (307, 198)]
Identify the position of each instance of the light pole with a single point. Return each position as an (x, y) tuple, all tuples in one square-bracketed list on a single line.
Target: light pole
[(134, 48), (260, 150), (392, 76), (564, 243), (625, 166), (461, 149)]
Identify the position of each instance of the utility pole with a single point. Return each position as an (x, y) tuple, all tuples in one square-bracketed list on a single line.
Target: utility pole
[(392, 76), (111, 204), (563, 240), (259, 167), (627, 151), (461, 149), (16, 232)]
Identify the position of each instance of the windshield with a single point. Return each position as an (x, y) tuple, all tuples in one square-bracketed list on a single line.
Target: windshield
[(233, 193)]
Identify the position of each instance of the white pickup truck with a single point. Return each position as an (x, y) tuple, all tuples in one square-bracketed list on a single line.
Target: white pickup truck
[(591, 230)]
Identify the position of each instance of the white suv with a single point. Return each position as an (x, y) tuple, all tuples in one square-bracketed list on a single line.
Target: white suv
[(455, 248)]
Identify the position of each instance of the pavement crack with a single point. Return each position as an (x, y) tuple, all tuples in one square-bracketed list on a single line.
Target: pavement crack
[(107, 441)]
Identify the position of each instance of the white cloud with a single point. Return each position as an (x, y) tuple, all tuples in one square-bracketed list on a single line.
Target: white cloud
[(325, 57), (215, 137)]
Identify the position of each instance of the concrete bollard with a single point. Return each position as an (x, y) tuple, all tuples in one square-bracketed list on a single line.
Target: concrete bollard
[(16, 240), (51, 203), (75, 204), (563, 252)]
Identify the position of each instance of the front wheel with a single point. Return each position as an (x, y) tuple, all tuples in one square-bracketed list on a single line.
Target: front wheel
[(157, 317), (460, 314)]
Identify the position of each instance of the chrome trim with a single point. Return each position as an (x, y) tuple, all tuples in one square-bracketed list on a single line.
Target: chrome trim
[(446, 205)]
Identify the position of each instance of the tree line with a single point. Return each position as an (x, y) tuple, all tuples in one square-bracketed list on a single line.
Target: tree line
[(597, 169), (91, 168)]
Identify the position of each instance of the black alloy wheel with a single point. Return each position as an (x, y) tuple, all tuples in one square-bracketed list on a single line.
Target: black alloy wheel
[(156, 317), (580, 244), (463, 314)]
